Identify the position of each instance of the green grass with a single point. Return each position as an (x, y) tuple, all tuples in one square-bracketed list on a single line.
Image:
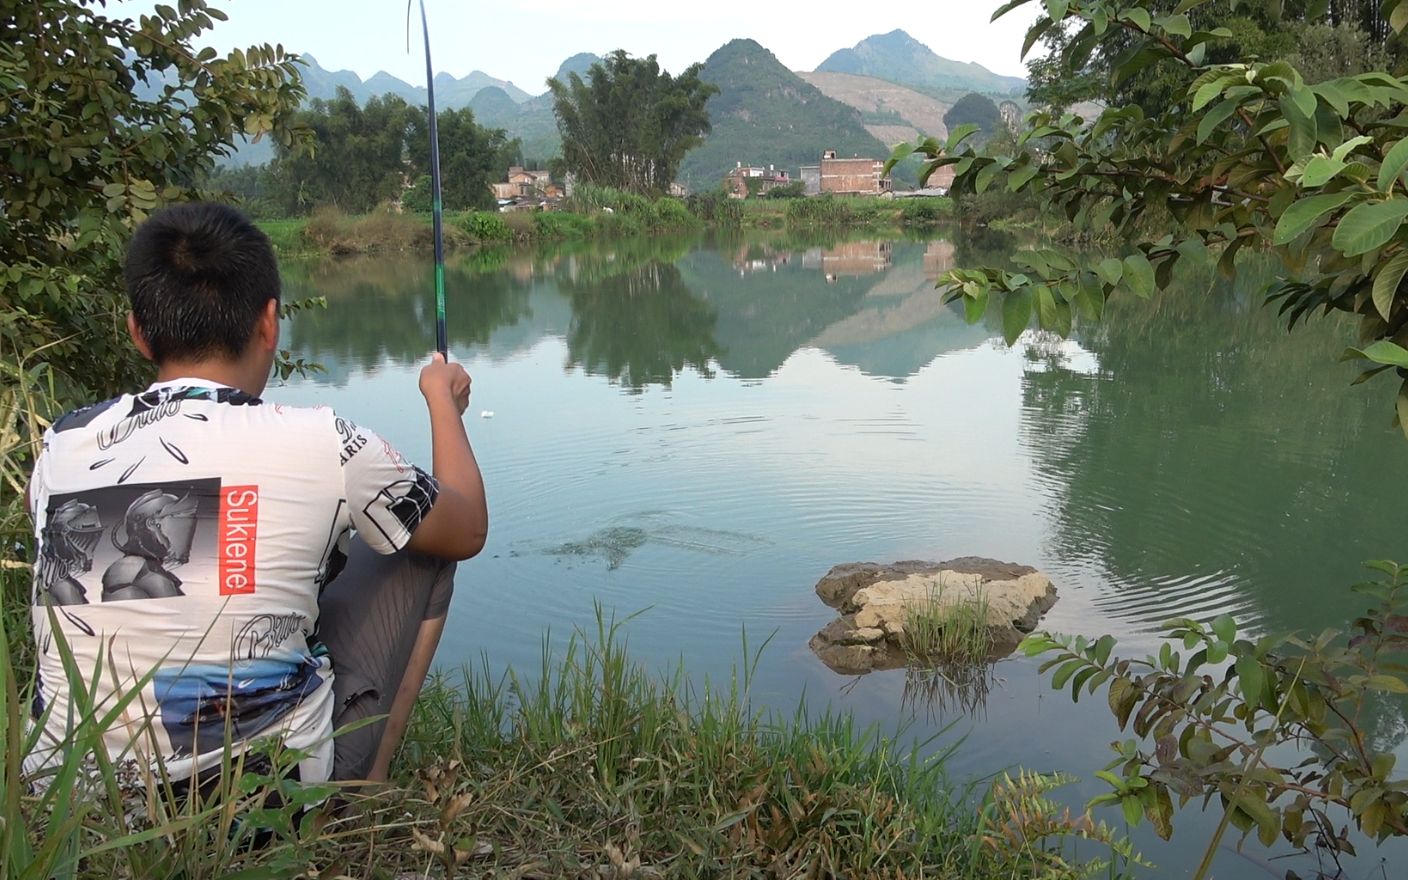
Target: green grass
[(286, 235), (950, 632)]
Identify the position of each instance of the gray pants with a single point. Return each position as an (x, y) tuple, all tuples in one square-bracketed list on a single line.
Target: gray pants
[(369, 617)]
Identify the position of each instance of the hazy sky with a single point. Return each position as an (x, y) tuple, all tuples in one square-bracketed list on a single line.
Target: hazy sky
[(525, 40)]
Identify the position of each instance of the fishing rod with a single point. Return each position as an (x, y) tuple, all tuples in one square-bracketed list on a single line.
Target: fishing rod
[(437, 210)]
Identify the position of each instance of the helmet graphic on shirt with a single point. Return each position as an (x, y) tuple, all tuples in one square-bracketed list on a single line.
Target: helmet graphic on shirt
[(158, 526), (71, 534)]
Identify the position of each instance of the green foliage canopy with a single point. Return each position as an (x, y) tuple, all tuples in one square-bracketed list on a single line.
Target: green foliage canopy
[(1321, 40), (630, 124), (104, 120), (974, 109), (367, 153)]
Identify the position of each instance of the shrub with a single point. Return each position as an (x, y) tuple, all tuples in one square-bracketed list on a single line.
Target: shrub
[(716, 208), (672, 213), (418, 197), (1233, 718), (384, 229), (483, 226), (558, 225), (590, 199), (923, 211), (794, 190), (820, 211)]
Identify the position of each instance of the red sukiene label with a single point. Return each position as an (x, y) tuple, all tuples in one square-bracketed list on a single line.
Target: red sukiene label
[(239, 516)]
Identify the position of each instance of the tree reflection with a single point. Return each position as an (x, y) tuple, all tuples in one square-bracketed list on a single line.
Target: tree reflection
[(635, 321), (383, 309), (1211, 463)]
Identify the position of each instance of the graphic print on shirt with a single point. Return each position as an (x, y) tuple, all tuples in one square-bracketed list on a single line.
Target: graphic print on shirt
[(197, 702), (126, 542), (148, 409), (400, 507)]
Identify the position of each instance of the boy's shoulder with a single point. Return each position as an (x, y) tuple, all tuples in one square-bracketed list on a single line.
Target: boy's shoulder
[(84, 416)]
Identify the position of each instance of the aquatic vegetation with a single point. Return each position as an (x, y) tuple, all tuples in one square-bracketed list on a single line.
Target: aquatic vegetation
[(614, 544)]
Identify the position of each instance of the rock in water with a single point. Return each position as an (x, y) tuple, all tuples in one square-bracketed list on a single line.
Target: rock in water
[(875, 601)]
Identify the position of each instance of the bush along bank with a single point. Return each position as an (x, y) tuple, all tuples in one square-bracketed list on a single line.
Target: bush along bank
[(592, 213)]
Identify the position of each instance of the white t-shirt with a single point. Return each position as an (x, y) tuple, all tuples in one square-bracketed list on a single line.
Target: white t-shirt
[(188, 530)]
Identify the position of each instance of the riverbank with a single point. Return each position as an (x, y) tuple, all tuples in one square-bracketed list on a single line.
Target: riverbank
[(599, 214), (595, 766)]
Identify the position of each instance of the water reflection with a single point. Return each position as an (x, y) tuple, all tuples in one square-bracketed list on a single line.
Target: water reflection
[(380, 309), (704, 428), (638, 325), (642, 311), (1207, 453)]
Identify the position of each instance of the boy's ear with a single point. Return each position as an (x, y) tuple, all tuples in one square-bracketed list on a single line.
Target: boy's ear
[(269, 325), (139, 338)]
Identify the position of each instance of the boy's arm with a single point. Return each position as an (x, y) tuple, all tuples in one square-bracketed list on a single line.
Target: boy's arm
[(458, 523)]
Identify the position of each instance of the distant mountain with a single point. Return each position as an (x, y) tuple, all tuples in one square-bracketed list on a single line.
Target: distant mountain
[(764, 114), (901, 59), (322, 83), (493, 107), (450, 93), (894, 114), (578, 64)]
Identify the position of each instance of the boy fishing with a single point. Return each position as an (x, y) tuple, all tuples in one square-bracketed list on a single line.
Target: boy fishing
[(256, 571)]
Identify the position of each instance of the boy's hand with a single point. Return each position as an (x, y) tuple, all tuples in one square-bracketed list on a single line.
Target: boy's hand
[(440, 381)]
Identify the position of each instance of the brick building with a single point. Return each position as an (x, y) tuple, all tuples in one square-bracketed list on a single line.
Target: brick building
[(854, 176)]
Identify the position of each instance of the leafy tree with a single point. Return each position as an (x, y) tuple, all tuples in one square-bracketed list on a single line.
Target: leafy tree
[(471, 157), (629, 124), (361, 156), (974, 109), (103, 120), (371, 153), (1081, 65), (1244, 152)]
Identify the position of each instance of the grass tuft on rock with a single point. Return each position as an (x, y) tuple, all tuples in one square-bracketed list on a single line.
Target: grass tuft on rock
[(939, 631)]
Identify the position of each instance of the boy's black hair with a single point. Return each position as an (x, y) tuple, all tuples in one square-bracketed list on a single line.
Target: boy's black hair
[(199, 275)]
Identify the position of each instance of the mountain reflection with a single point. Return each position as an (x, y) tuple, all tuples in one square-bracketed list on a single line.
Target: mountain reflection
[(640, 311)]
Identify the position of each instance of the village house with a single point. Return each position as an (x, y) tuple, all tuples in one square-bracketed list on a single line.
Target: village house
[(523, 183), (854, 176), (749, 180)]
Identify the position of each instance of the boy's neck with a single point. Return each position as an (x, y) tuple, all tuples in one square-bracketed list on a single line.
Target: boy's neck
[(245, 377)]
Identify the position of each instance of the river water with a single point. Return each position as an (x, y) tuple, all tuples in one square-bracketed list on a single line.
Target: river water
[(698, 430)]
